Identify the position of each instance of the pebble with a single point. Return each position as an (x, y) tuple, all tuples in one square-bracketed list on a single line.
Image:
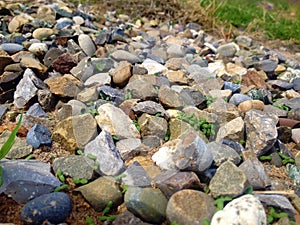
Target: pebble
[(50, 208), (87, 45)]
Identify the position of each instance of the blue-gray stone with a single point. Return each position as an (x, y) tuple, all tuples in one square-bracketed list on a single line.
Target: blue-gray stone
[(118, 35), (27, 179), (11, 48), (38, 135), (281, 84), (267, 65), (37, 111), (135, 175), (3, 109), (234, 145), (111, 94), (236, 99), (51, 208), (156, 58), (296, 83), (62, 23), (294, 173), (235, 88), (222, 153)]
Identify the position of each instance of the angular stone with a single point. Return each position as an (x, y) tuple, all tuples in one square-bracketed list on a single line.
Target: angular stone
[(222, 153), (253, 78), (39, 135), (153, 125), (141, 89), (27, 179), (19, 149), (38, 49), (99, 192), (147, 203), (256, 174), (176, 63), (229, 180), (267, 65), (33, 64), (172, 181), (98, 80), (75, 132), (261, 132), (127, 218), (136, 175), (150, 107), (65, 86), (26, 89), (62, 63), (122, 73), (169, 98), (236, 99), (190, 207), (108, 159), (17, 22), (36, 110), (83, 70), (89, 94), (130, 147), (246, 210), (233, 130), (51, 208)]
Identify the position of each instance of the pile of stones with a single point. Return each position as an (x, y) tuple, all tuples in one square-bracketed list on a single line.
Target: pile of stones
[(163, 119)]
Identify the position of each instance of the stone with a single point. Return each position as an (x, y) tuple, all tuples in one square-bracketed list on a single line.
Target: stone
[(19, 149), (235, 88), (251, 104), (5, 60), (3, 110), (297, 159), (244, 41), (256, 174), (136, 175), (150, 107), (152, 125), (11, 48), (246, 210), (107, 158), (49, 208), (108, 93), (270, 109), (153, 67), (26, 89), (122, 73), (98, 79), (38, 135), (122, 55), (62, 63), (75, 132), (169, 98), (261, 132), (141, 89), (191, 97), (39, 49), (17, 22), (102, 65), (64, 86), (86, 44), (99, 192), (83, 70), (33, 64), (175, 51), (233, 130), (228, 50), (27, 179), (222, 153), (267, 65), (127, 218), (177, 76), (89, 94), (147, 203), (253, 78), (42, 33), (236, 99), (113, 120), (46, 99), (176, 63), (229, 180), (36, 110), (172, 181), (190, 207), (130, 147), (294, 173)]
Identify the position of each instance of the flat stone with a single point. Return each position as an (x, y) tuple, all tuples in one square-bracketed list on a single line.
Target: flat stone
[(108, 159), (267, 65), (75, 132), (27, 179), (113, 120), (177, 76), (244, 41), (233, 130), (89, 94), (127, 218), (153, 67), (38, 135), (172, 181), (87, 45), (49, 208), (83, 70), (246, 210), (121, 55), (176, 63), (147, 203), (229, 180), (33, 64), (136, 175), (111, 94), (11, 48), (98, 80), (150, 107), (253, 78), (256, 174), (222, 153), (190, 207), (261, 132), (236, 99)]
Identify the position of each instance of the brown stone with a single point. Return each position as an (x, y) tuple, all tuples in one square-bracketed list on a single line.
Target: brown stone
[(253, 78), (177, 76), (122, 73), (251, 104), (64, 63), (33, 64)]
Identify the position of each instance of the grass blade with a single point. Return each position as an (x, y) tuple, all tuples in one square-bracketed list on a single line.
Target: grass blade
[(10, 141)]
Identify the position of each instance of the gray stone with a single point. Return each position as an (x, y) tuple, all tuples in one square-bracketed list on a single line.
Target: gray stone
[(170, 98), (294, 173), (172, 181), (51, 208), (108, 93), (284, 85), (175, 51), (26, 89), (75, 132), (3, 110), (228, 50), (244, 41), (153, 125), (122, 55), (147, 203), (98, 80), (233, 130), (113, 120), (150, 107), (293, 103), (130, 147), (127, 218), (38, 135), (27, 179), (99, 192), (136, 175), (86, 44), (83, 70), (270, 109), (256, 174), (11, 48), (229, 180), (222, 153), (141, 89), (36, 110), (261, 132), (192, 97), (152, 141), (267, 65), (102, 65), (75, 166), (89, 94), (108, 159), (19, 149), (190, 207), (278, 202), (246, 210)]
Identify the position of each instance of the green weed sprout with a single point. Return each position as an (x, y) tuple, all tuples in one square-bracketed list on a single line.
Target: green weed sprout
[(105, 211), (275, 215), (89, 221), (219, 202), (8, 144)]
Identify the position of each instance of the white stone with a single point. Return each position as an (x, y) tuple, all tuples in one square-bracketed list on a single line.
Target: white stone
[(153, 66), (38, 48), (245, 210)]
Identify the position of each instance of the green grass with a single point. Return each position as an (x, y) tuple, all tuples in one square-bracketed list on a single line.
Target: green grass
[(276, 18)]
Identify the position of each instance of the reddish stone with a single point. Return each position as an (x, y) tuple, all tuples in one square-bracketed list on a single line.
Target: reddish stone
[(253, 78), (64, 63)]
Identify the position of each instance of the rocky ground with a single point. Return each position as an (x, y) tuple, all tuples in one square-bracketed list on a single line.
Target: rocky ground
[(136, 121)]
